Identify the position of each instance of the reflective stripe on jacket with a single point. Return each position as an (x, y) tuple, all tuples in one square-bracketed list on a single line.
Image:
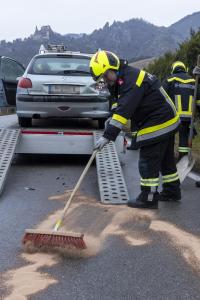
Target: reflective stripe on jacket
[(180, 87), (142, 98)]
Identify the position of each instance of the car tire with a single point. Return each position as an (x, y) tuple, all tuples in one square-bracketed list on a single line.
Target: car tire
[(25, 122), (101, 123)]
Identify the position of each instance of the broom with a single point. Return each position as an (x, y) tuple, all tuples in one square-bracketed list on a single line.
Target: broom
[(61, 239)]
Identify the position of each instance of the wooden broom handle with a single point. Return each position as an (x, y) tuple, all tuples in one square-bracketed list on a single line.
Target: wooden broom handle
[(79, 182)]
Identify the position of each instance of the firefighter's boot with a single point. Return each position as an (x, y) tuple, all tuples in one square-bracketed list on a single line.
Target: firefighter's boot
[(145, 199), (166, 195), (198, 184)]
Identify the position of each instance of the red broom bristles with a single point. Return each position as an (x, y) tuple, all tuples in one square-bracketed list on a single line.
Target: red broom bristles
[(54, 240)]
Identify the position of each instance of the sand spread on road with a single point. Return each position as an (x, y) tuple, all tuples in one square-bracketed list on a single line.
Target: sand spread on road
[(98, 222), (27, 280), (105, 221), (187, 244)]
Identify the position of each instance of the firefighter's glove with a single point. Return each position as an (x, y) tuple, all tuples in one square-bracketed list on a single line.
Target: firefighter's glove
[(107, 122), (196, 71), (102, 141)]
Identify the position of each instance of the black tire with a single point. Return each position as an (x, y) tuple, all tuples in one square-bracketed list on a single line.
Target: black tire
[(101, 123), (25, 122)]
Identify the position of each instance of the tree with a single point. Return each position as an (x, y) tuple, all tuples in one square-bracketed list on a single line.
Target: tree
[(187, 52)]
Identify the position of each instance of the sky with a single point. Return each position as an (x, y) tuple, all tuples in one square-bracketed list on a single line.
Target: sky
[(19, 18)]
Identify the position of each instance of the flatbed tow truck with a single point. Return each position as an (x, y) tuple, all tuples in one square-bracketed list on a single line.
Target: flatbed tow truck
[(69, 141), (16, 140)]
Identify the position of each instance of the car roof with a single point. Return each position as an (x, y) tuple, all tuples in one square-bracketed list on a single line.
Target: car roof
[(67, 53)]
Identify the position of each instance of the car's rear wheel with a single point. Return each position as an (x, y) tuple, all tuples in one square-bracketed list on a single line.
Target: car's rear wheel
[(101, 123), (25, 122)]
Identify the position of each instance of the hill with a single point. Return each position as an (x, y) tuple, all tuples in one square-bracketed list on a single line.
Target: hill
[(186, 52), (183, 26), (131, 39)]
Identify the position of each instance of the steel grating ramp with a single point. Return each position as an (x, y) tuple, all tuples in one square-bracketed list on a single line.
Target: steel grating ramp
[(8, 142), (111, 181)]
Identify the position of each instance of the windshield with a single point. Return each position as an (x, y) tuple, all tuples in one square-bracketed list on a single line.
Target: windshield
[(60, 66)]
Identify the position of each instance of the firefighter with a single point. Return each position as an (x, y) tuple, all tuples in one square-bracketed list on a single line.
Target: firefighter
[(180, 87), (142, 98), (113, 104)]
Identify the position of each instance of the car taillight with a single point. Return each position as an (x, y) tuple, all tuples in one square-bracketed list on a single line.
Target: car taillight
[(25, 83)]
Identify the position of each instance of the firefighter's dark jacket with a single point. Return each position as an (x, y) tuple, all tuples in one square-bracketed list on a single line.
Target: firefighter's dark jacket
[(180, 88), (114, 90), (141, 97)]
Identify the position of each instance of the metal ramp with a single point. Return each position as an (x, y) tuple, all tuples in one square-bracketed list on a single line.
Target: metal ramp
[(55, 141), (8, 142), (111, 181)]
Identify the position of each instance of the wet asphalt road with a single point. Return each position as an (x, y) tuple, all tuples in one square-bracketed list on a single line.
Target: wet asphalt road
[(165, 266)]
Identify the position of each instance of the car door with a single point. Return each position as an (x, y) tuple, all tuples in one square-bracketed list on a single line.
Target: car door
[(10, 69)]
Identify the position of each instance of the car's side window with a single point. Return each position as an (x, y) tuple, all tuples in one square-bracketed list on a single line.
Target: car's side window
[(11, 69)]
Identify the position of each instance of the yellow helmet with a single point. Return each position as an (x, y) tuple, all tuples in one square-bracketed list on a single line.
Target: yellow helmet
[(102, 61), (178, 65)]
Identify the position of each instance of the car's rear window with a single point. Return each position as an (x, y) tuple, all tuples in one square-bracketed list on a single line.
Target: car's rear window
[(60, 65)]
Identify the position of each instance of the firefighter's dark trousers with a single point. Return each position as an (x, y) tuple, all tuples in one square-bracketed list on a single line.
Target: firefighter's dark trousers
[(184, 130), (159, 158)]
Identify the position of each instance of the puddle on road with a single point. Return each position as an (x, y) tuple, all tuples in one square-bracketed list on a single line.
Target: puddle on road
[(98, 222)]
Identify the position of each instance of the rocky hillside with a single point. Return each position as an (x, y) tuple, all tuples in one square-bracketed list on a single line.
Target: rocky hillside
[(183, 27), (186, 52), (131, 39)]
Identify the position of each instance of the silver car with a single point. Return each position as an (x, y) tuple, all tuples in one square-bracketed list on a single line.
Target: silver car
[(60, 85)]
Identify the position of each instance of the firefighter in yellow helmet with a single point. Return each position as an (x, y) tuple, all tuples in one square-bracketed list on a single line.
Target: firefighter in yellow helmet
[(101, 62), (141, 97), (180, 87)]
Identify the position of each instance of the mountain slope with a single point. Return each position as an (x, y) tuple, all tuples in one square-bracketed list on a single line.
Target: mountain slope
[(183, 26), (130, 39), (186, 52)]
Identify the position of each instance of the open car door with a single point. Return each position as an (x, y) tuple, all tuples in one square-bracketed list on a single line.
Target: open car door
[(10, 69)]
